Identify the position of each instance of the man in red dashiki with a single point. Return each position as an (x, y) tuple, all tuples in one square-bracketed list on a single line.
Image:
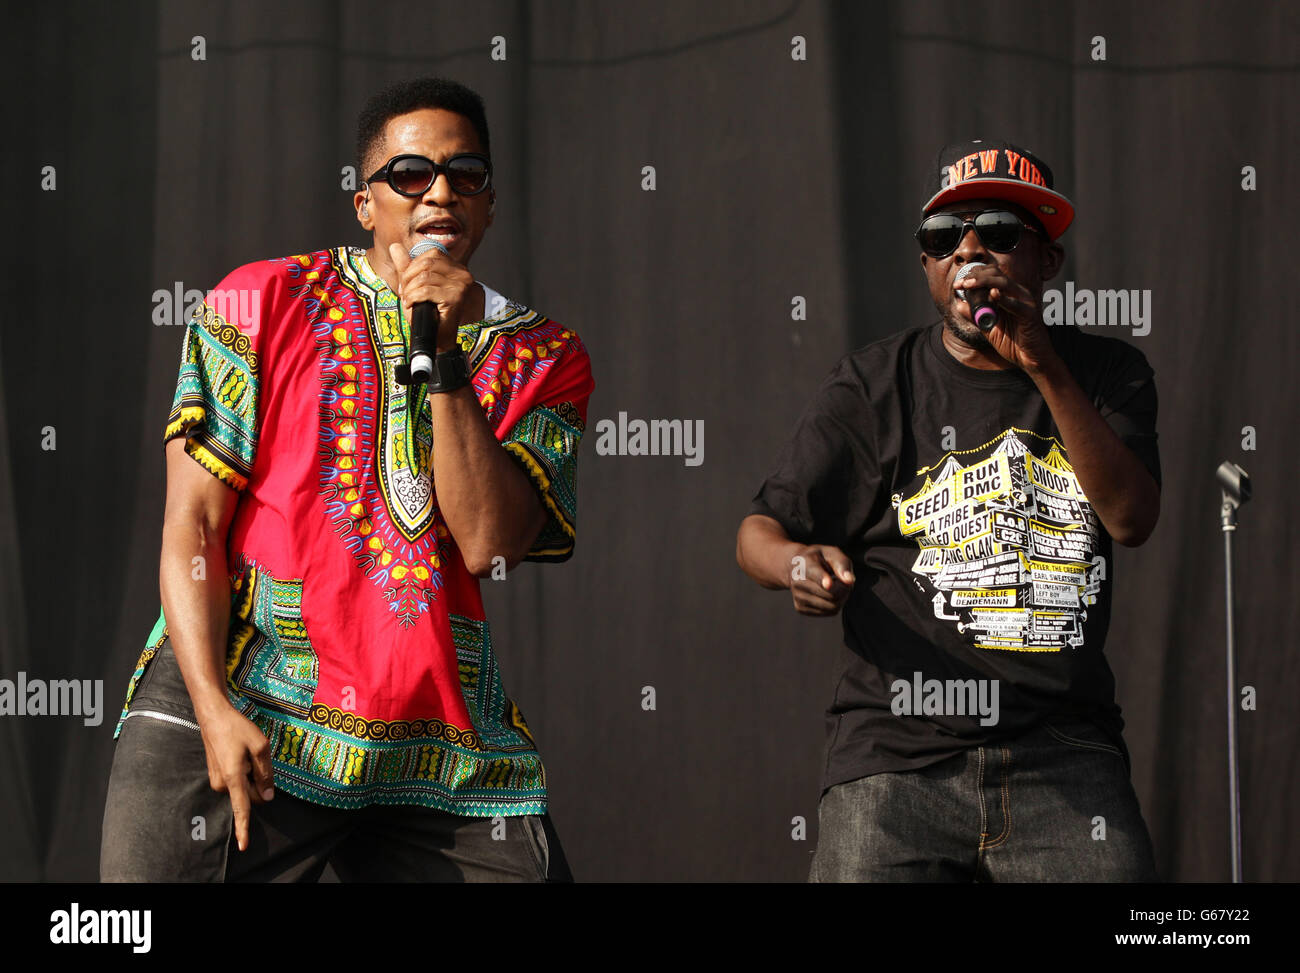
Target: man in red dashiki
[(322, 656)]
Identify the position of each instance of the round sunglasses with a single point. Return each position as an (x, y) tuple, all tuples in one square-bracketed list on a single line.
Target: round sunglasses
[(998, 229), (411, 175)]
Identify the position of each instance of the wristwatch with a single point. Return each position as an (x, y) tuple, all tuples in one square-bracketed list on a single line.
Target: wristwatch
[(450, 371)]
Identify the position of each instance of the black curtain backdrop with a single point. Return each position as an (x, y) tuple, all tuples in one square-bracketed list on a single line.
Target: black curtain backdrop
[(776, 178)]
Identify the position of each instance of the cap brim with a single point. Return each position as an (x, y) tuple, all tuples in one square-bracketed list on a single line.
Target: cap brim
[(1049, 207)]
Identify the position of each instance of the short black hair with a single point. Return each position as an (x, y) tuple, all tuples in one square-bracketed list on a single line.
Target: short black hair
[(408, 96)]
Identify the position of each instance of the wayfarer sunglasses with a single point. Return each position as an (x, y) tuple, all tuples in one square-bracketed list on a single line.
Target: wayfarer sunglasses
[(998, 229)]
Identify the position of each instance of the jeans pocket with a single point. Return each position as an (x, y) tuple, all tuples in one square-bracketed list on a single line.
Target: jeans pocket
[(1082, 735), (153, 714), (162, 693), (535, 836)]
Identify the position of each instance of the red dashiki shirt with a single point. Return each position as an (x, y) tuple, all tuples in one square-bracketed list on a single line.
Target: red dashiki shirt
[(358, 642)]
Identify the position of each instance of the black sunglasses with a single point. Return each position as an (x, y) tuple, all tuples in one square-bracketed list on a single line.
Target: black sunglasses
[(412, 175), (998, 229)]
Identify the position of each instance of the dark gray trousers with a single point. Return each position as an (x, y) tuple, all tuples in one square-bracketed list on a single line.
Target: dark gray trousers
[(164, 823)]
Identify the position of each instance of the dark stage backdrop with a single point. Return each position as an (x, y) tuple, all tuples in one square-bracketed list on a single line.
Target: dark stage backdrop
[(777, 178)]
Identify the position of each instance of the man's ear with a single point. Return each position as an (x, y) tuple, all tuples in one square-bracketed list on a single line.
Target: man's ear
[(360, 202), (1052, 259), (492, 208)]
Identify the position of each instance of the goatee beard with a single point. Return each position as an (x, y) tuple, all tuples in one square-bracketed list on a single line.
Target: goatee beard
[(967, 334)]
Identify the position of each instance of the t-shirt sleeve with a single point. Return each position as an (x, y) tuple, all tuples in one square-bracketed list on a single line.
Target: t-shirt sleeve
[(827, 477), (215, 403), (551, 405), (1127, 401)]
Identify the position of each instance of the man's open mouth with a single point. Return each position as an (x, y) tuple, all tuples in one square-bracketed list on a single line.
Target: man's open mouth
[(445, 232)]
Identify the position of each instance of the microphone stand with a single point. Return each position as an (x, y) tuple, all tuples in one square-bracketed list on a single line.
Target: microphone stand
[(1235, 490)]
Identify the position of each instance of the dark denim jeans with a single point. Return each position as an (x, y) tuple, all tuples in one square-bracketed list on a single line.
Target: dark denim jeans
[(164, 823), (1052, 805)]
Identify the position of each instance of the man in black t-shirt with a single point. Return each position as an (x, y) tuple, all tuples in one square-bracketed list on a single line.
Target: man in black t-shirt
[(955, 489)]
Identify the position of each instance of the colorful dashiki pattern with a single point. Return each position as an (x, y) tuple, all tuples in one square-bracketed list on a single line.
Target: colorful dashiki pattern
[(358, 641)]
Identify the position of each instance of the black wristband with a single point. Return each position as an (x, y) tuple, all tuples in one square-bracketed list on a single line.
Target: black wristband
[(450, 371)]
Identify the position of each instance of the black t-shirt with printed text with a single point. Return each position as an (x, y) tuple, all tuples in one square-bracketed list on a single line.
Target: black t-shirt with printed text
[(976, 553)]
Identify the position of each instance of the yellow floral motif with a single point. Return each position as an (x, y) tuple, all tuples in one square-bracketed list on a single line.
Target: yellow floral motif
[(343, 346), (344, 452)]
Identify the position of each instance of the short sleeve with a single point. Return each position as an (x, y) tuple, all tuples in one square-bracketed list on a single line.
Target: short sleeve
[(827, 477), (1127, 402), (215, 404), (544, 440)]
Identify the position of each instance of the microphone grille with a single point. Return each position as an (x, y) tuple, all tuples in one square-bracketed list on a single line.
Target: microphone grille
[(424, 246), (966, 269)]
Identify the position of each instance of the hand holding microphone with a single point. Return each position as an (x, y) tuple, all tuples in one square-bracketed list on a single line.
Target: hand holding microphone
[(982, 309), (433, 291), (424, 327), (1022, 337)]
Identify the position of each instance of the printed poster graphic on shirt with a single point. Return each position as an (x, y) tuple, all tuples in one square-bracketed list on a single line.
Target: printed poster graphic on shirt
[(1008, 542)]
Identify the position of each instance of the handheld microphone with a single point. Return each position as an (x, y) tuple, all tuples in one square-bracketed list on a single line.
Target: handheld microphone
[(424, 331), (981, 308)]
